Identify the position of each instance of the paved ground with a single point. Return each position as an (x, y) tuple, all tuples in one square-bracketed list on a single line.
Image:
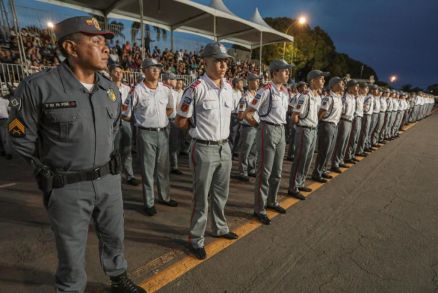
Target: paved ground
[(372, 229)]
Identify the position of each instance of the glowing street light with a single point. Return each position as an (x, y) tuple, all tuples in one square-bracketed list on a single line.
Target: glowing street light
[(393, 78), (302, 20), (50, 25)]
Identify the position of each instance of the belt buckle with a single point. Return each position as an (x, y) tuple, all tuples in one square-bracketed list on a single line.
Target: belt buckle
[(95, 174), (158, 129)]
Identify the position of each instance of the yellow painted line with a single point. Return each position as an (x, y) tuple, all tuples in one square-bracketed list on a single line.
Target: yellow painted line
[(187, 263)]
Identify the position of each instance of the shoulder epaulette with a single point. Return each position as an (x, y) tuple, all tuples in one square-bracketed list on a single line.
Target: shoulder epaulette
[(267, 86), (195, 84)]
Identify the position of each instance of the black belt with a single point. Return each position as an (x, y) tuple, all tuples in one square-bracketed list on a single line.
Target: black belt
[(61, 179), (245, 125), (211, 142), (272, 124), (171, 119), (345, 119), (152, 128), (308, 127), (328, 122)]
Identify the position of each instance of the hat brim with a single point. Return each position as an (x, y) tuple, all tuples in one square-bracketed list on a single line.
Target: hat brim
[(106, 34), (150, 65), (219, 56)]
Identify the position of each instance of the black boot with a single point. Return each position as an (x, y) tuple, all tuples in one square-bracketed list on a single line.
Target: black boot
[(122, 284)]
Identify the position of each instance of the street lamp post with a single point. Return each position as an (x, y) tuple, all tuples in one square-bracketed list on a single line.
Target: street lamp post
[(302, 20)]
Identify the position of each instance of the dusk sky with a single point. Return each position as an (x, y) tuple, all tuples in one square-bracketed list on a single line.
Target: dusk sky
[(392, 36)]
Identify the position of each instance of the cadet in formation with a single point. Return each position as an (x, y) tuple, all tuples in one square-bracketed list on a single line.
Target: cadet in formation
[(206, 108)]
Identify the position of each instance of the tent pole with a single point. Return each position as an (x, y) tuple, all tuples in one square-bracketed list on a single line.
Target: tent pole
[(214, 28), (171, 39), (261, 50), (17, 31), (105, 22), (140, 4)]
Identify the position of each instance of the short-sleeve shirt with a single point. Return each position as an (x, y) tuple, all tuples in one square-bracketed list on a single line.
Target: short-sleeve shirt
[(176, 99), (348, 107), (243, 105), (359, 106), (237, 95), (271, 103), (209, 108), (149, 105), (376, 104), (368, 104), (332, 104), (383, 104), (307, 108), (4, 105)]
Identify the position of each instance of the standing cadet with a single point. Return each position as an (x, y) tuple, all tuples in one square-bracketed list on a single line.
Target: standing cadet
[(390, 109), (366, 124), (301, 88), (329, 114), (234, 125), (305, 116), (175, 136), (383, 117), (206, 107), (151, 106), (271, 103), (64, 122), (247, 142), (124, 137), (357, 124), (375, 91), (344, 127)]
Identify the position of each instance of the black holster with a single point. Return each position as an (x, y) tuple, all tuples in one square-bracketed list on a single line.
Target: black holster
[(115, 163)]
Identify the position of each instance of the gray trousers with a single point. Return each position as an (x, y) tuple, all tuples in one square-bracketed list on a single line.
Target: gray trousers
[(383, 134), (305, 142), (291, 150), (247, 150), (374, 122), (4, 137), (327, 132), (234, 133), (344, 130), (354, 138), (153, 147), (211, 165), (391, 124), (414, 114), (364, 133), (70, 210), (378, 129), (175, 144), (124, 142), (271, 145)]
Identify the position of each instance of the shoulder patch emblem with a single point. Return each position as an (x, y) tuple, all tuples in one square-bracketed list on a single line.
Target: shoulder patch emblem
[(111, 95), (15, 103), (16, 128), (185, 107)]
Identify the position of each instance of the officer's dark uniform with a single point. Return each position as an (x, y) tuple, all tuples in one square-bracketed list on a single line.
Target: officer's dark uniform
[(67, 133)]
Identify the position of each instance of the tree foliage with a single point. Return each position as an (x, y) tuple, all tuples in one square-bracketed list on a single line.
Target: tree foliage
[(312, 49)]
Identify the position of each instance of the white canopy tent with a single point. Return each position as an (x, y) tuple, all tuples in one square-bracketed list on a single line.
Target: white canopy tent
[(214, 21)]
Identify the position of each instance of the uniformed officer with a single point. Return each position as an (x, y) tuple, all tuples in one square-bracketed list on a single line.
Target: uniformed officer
[(124, 137), (383, 117), (305, 116), (152, 104), (301, 87), (237, 84), (390, 111), (169, 80), (64, 122), (375, 91), (330, 115), (5, 141), (271, 103), (344, 127), (247, 137), (357, 124), (368, 108), (206, 107)]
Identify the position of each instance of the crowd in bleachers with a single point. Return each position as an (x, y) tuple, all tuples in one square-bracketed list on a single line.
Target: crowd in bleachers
[(40, 51)]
